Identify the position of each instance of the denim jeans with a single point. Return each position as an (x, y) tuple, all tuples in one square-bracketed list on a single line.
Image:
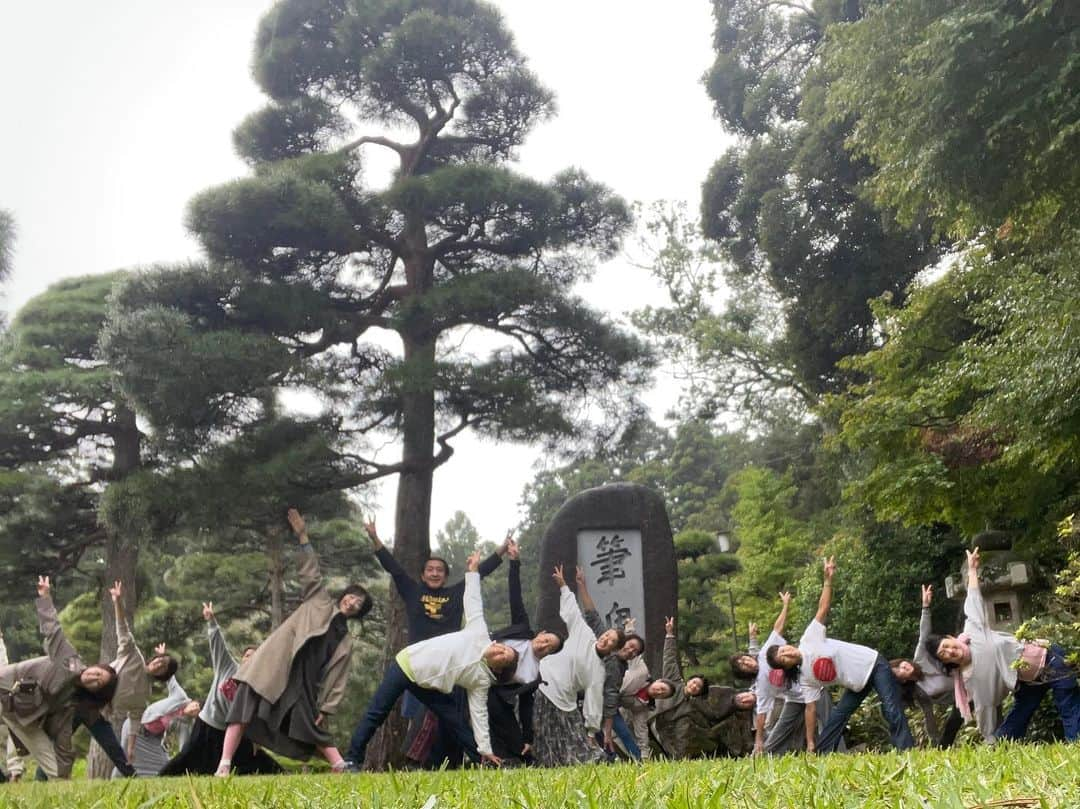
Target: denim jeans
[(622, 730), (1061, 682), (394, 684), (892, 707)]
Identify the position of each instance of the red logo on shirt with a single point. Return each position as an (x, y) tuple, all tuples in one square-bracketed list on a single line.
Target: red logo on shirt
[(824, 670)]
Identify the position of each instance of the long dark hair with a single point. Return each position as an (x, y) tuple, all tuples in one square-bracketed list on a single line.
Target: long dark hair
[(931, 645), (791, 675), (100, 698)]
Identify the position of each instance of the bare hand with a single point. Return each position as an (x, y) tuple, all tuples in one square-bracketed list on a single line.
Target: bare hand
[(512, 549), (669, 625), (299, 527), (208, 610), (320, 720), (560, 579), (116, 591), (785, 598), (830, 567), (927, 594), (373, 535), (491, 758), (44, 587), (973, 559), (609, 740), (159, 649), (507, 540), (751, 630), (526, 750), (630, 625), (473, 562), (579, 578)]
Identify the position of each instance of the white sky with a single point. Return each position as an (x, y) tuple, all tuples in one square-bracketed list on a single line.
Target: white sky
[(116, 112)]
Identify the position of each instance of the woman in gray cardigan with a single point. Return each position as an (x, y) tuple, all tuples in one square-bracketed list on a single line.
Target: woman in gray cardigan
[(988, 665)]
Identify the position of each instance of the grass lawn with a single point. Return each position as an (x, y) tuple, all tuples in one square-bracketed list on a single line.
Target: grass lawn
[(1003, 776)]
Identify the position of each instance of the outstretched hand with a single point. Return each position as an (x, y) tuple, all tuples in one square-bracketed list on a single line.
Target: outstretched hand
[(785, 598), (512, 549), (44, 586), (373, 535), (830, 567), (159, 649), (669, 625), (751, 629), (973, 559), (579, 578), (208, 610), (117, 591), (296, 522), (927, 594), (560, 579), (472, 564)]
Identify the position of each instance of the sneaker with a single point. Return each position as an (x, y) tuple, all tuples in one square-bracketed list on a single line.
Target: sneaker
[(348, 766)]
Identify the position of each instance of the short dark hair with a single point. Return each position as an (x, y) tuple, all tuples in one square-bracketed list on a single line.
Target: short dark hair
[(737, 666), (666, 682), (635, 636), (171, 667), (358, 590), (445, 564), (931, 644), (704, 683), (772, 657), (558, 637), (506, 673)]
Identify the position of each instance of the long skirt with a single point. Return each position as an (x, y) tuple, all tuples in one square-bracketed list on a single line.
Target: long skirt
[(559, 737), (287, 726), (201, 754)]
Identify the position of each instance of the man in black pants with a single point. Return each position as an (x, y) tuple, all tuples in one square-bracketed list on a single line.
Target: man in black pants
[(431, 608), (512, 731)]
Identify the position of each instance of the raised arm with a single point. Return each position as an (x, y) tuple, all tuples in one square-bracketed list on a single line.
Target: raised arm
[(125, 641), (781, 619), (405, 584), (518, 614), (220, 658), (753, 643), (670, 668), (826, 591), (56, 643), (569, 610), (974, 606), (474, 600), (588, 606), (308, 570), (925, 627)]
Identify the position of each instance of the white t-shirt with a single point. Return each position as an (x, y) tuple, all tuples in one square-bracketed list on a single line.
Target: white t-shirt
[(528, 667), (853, 662), (767, 693)]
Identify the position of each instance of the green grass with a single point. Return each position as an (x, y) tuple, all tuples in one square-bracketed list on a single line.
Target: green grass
[(957, 779)]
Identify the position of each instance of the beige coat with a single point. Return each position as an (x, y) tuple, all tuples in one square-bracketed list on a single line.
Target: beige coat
[(56, 675), (132, 680), (267, 671)]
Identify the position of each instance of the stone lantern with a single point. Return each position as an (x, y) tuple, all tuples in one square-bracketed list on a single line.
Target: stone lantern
[(1005, 581)]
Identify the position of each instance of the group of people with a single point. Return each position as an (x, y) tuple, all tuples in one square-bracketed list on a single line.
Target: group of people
[(972, 672), (516, 695)]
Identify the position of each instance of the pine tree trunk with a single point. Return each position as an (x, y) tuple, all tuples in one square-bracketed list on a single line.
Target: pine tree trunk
[(121, 564), (412, 519)]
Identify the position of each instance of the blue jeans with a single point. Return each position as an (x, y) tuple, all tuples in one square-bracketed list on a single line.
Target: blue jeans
[(888, 689), (394, 684), (1061, 682), (626, 737)]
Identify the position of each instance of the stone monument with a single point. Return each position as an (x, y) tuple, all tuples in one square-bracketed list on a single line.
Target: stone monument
[(620, 535)]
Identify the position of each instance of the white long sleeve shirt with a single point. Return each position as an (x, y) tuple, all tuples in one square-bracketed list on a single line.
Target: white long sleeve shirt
[(457, 659), (576, 668), (990, 677)]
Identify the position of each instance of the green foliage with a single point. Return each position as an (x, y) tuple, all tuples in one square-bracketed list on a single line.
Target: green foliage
[(969, 109), (704, 622), (773, 543), (785, 207), (8, 232), (953, 779)]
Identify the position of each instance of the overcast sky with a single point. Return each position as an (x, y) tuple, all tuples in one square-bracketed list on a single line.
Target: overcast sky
[(117, 112)]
